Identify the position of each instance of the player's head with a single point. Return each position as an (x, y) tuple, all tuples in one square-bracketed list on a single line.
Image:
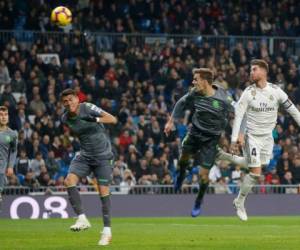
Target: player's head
[(202, 79), (70, 100), (3, 115), (259, 70)]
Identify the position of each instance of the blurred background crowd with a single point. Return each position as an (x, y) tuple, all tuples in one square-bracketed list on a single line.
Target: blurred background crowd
[(216, 17), (139, 82)]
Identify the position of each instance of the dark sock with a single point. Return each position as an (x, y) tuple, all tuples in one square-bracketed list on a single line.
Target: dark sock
[(106, 207), (203, 185), (75, 200), (182, 164)]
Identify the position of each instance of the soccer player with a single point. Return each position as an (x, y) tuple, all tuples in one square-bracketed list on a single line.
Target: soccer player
[(210, 107), (260, 102), (8, 149), (86, 121)]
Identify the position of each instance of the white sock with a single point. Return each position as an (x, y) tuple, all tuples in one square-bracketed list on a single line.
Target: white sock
[(235, 159), (239, 160), (249, 181), (106, 230), (82, 217)]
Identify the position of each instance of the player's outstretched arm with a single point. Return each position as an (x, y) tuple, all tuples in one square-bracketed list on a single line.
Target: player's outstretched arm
[(292, 110), (289, 106)]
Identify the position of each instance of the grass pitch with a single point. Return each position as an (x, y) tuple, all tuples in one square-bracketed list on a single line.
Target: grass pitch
[(156, 233)]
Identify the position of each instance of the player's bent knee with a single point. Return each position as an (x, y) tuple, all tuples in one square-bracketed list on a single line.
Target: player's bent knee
[(104, 190), (69, 181)]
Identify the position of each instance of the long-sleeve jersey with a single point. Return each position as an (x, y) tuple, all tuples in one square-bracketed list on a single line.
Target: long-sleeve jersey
[(261, 107), (8, 148), (209, 113), (94, 141)]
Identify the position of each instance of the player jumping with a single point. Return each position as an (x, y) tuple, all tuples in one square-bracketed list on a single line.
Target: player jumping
[(260, 103)]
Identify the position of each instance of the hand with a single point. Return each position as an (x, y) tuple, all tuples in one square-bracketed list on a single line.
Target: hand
[(10, 172), (168, 127), (234, 147)]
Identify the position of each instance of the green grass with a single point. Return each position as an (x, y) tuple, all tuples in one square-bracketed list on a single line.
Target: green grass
[(156, 233)]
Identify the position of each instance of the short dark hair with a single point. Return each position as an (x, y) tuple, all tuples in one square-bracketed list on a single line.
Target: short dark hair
[(67, 92), (205, 73), (260, 63), (3, 108)]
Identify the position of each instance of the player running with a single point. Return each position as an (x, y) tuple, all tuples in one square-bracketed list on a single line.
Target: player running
[(260, 103), (86, 121)]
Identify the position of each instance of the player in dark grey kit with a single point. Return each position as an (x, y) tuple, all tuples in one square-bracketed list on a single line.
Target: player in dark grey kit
[(8, 148), (210, 107), (86, 121)]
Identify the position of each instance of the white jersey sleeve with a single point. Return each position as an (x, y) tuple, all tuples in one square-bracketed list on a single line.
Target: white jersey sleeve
[(289, 106), (240, 110)]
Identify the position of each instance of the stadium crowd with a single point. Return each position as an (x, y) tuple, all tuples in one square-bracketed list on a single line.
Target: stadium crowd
[(215, 17), (139, 83)]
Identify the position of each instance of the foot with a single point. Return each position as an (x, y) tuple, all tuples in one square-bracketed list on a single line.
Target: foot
[(82, 223), (105, 239), (240, 210), (196, 211)]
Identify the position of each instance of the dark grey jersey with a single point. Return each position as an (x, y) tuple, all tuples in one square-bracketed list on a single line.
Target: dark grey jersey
[(8, 148), (209, 113), (94, 141)]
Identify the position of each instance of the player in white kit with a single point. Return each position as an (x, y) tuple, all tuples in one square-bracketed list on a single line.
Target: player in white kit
[(260, 103)]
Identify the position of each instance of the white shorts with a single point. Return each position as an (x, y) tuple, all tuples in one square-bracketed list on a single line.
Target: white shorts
[(258, 149)]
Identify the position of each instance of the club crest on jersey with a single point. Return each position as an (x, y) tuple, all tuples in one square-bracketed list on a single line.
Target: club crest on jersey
[(7, 139), (216, 104), (271, 98)]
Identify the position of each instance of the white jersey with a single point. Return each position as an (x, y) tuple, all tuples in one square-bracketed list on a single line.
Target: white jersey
[(261, 108)]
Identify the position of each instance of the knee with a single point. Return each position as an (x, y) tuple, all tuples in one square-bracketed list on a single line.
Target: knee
[(68, 182), (204, 176), (104, 190)]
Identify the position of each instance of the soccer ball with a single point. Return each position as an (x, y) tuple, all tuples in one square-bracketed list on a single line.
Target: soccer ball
[(61, 16)]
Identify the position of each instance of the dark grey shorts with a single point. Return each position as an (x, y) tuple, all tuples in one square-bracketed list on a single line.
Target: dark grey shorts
[(102, 169), (2, 182)]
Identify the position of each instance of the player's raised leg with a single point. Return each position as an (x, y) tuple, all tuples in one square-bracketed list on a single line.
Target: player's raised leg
[(82, 222), (234, 159)]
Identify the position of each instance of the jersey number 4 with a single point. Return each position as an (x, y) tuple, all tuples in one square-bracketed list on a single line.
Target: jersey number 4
[(253, 152)]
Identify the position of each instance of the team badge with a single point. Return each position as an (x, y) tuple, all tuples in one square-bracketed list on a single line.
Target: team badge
[(271, 98), (7, 139), (216, 104)]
